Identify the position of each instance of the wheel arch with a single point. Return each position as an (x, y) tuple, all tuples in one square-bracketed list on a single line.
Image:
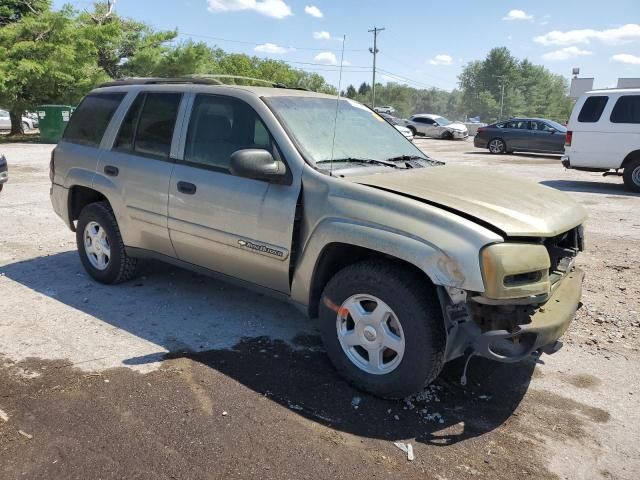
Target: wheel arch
[(634, 155), (79, 197), (337, 255)]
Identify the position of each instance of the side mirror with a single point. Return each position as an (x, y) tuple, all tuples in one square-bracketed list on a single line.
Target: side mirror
[(257, 164)]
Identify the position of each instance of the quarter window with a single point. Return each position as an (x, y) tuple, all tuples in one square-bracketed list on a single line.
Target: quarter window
[(220, 126), (90, 120), (626, 109), (592, 109)]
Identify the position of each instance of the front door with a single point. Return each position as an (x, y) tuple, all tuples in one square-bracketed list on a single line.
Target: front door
[(545, 138), (236, 226)]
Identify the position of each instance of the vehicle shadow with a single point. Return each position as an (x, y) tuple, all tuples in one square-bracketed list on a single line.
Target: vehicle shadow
[(290, 370), (586, 186), (530, 155)]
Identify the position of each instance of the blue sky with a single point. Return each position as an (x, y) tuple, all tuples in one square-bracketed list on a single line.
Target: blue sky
[(426, 43)]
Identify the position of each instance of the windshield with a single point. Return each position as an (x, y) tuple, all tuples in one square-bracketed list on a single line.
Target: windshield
[(557, 126), (359, 134), (442, 121)]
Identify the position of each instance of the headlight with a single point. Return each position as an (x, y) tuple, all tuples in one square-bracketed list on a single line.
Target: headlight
[(515, 270)]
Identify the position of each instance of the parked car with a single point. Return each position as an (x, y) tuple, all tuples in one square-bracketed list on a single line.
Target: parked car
[(397, 123), (386, 109), (522, 135), (4, 171), (436, 126), (604, 134), (5, 122), (406, 262)]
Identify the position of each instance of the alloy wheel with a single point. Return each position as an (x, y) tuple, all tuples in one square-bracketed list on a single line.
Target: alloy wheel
[(370, 334)]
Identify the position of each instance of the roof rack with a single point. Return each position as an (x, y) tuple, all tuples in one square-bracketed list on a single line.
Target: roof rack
[(194, 79)]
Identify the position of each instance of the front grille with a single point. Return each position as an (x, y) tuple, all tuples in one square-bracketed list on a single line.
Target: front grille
[(562, 251)]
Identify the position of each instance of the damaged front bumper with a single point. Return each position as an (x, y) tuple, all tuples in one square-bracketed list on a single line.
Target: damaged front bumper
[(524, 329)]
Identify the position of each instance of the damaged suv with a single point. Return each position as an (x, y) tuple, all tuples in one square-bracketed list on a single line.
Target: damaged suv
[(407, 263)]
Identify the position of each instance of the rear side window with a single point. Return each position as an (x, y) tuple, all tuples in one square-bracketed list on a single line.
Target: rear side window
[(90, 120), (626, 110), (518, 124), (592, 109), (148, 127)]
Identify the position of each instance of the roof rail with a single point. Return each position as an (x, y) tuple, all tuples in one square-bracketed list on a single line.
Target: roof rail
[(194, 79)]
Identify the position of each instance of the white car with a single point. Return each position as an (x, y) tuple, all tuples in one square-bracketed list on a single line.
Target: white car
[(604, 134), (5, 122), (389, 110), (436, 126), (408, 134)]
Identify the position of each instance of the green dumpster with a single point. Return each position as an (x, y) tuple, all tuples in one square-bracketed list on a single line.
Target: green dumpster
[(53, 120)]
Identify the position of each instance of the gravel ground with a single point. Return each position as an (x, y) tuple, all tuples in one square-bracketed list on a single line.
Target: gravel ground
[(174, 375)]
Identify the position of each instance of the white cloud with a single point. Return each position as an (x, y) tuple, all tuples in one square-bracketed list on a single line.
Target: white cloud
[(517, 15), (544, 22), (313, 11), (626, 58), (326, 58), (565, 54), (271, 48), (441, 59), (270, 8), (611, 36), (322, 35)]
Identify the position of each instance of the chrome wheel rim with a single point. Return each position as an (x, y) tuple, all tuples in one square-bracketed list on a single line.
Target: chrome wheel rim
[(96, 246), (635, 176), (370, 334), (496, 146)]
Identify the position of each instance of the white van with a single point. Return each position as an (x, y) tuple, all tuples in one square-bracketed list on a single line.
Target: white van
[(604, 134)]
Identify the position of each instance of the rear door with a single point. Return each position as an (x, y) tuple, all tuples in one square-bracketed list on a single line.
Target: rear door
[(236, 226), (5, 120), (138, 167), (516, 134)]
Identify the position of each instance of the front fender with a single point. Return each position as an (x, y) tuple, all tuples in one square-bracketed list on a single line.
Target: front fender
[(441, 268)]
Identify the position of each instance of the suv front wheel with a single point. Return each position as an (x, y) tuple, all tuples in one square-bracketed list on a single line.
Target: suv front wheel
[(100, 245), (382, 328)]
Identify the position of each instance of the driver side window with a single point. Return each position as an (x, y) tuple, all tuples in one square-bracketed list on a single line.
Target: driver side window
[(220, 126)]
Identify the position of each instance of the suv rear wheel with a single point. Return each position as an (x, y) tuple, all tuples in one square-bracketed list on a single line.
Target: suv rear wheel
[(631, 175), (383, 328), (100, 245)]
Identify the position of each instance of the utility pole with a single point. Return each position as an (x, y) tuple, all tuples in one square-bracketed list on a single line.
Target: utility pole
[(501, 77), (375, 51)]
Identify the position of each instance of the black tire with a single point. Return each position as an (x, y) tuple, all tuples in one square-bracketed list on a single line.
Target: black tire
[(120, 267), (416, 307), (1, 186), (413, 130), (631, 175), (501, 146), (447, 135)]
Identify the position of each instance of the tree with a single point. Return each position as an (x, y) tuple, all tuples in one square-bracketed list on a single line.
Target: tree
[(529, 90), (12, 11), (45, 58)]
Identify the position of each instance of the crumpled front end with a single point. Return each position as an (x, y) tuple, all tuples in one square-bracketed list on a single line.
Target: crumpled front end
[(520, 313)]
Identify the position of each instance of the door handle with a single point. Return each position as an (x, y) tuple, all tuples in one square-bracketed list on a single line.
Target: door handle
[(111, 170), (186, 188)]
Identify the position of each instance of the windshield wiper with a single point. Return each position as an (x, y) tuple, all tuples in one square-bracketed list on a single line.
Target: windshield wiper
[(414, 157), (370, 161)]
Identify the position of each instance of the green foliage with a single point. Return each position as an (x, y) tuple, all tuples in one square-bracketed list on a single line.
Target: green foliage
[(407, 100), (12, 11), (529, 90), (45, 58)]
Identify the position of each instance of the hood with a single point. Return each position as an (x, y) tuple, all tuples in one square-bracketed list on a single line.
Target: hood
[(457, 126), (513, 206)]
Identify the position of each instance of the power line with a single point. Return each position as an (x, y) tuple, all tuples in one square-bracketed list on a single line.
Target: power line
[(405, 79), (243, 42)]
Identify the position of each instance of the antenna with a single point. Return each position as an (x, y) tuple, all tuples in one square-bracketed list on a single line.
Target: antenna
[(335, 120)]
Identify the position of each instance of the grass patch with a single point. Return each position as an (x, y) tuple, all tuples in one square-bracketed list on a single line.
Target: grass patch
[(24, 138)]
